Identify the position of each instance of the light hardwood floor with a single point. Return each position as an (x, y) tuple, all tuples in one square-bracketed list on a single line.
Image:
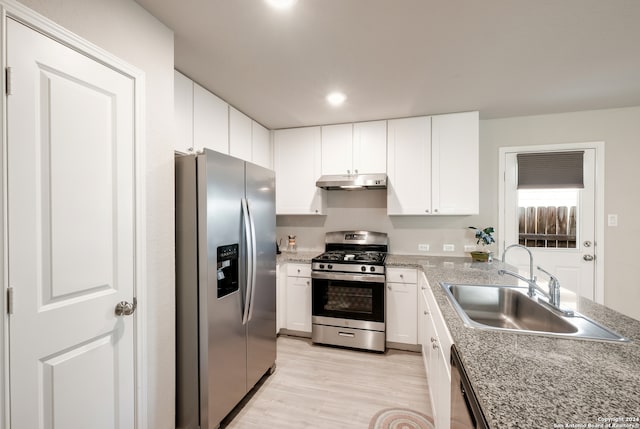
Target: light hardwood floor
[(325, 387)]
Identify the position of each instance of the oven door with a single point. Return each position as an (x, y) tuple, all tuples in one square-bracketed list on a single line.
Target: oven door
[(356, 299)]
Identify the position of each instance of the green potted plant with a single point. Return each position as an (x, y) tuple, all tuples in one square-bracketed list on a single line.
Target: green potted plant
[(484, 238)]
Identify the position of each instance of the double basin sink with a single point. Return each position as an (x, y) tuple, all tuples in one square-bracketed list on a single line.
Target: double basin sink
[(510, 309)]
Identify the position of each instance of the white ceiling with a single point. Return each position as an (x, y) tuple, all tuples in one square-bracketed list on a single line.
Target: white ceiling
[(396, 58)]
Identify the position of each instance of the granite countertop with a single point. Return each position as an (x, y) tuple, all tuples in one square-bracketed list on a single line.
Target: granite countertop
[(532, 381), (301, 256)]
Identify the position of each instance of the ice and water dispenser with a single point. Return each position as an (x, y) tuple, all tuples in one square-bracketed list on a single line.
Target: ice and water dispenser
[(227, 269)]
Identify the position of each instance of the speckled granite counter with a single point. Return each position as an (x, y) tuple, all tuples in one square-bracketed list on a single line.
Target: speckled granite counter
[(300, 257), (530, 381)]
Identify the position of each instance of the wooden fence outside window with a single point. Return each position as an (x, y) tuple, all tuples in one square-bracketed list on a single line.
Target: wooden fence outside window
[(547, 226)]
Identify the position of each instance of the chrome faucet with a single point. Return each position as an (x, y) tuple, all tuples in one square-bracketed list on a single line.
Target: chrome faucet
[(531, 281), (554, 288)]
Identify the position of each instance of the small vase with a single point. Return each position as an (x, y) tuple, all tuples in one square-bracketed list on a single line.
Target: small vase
[(482, 256)]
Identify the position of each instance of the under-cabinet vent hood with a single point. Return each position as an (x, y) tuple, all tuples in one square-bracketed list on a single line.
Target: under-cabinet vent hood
[(352, 181)]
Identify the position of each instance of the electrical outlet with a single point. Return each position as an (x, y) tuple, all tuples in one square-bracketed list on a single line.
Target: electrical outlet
[(448, 248), (469, 247), (423, 247), (612, 220)]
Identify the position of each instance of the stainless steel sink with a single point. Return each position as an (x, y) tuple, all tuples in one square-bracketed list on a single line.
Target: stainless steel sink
[(505, 308)]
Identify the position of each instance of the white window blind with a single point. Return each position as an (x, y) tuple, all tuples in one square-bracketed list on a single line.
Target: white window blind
[(550, 170)]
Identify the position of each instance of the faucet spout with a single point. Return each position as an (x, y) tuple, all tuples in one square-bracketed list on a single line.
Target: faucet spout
[(532, 277)]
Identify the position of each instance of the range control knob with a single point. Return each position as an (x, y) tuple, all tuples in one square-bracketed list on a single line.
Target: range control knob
[(372, 269), (363, 268), (329, 266), (321, 266)]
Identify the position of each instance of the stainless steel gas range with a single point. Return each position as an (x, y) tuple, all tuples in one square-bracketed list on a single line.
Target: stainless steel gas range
[(348, 290)]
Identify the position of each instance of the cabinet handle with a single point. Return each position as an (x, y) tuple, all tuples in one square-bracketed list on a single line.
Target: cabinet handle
[(426, 211), (435, 210), (433, 340), (401, 276), (348, 171), (389, 287), (423, 287), (435, 346), (426, 312), (356, 171), (308, 282)]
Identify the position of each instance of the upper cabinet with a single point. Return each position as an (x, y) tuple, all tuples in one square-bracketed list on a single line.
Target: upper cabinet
[(358, 148), (433, 166), (337, 149), (260, 145), (205, 121), (239, 134), (210, 121), (370, 147), (455, 152), (183, 112), (297, 159), (409, 166)]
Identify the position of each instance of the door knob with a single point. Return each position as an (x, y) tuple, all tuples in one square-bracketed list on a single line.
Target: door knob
[(588, 257), (124, 308)]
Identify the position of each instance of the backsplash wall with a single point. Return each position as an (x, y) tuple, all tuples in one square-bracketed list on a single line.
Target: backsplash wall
[(367, 210)]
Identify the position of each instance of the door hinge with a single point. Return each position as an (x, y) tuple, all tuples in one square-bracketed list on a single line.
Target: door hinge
[(9, 80), (10, 300)]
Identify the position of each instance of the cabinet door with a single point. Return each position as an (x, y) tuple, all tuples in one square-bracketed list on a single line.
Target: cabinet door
[(239, 134), (401, 313), (297, 166), (337, 149), (370, 147), (183, 111), (210, 121), (260, 145), (299, 304), (455, 163), (409, 166)]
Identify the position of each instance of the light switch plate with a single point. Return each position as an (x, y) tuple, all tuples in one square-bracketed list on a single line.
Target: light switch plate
[(448, 248), (423, 247), (612, 220)]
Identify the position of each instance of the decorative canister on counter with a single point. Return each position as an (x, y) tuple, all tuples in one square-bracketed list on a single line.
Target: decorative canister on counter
[(291, 246)]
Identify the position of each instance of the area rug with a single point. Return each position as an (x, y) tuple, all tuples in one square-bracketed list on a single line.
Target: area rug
[(400, 418)]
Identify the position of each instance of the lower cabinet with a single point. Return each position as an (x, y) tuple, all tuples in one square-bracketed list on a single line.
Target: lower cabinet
[(436, 351), (298, 298), (402, 306)]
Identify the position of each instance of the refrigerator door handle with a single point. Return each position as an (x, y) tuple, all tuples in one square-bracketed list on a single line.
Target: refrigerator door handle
[(248, 242), (254, 262)]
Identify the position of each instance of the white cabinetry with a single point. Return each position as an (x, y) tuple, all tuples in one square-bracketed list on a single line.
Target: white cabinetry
[(354, 148), (297, 158), (183, 112), (436, 350), (210, 121), (370, 147), (402, 306), (239, 134), (409, 166), (260, 145), (432, 164), (298, 298), (455, 159)]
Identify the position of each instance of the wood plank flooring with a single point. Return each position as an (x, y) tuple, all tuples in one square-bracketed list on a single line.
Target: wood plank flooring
[(323, 387)]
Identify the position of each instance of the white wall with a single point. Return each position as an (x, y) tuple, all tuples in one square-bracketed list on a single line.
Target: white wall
[(618, 128), (126, 30)]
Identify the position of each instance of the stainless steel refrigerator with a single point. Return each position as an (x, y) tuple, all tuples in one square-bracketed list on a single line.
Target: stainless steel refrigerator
[(225, 284)]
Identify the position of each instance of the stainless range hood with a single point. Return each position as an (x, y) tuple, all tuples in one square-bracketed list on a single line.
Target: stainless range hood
[(352, 181)]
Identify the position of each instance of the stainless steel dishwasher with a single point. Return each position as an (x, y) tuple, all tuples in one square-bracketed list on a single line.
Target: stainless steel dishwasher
[(465, 409)]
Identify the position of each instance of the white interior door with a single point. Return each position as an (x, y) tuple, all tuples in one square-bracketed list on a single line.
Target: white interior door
[(575, 266), (70, 178)]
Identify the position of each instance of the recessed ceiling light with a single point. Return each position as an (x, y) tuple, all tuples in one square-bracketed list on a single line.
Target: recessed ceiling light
[(281, 4), (336, 98)]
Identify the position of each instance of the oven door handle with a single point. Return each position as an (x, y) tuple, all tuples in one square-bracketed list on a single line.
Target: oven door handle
[(370, 278)]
